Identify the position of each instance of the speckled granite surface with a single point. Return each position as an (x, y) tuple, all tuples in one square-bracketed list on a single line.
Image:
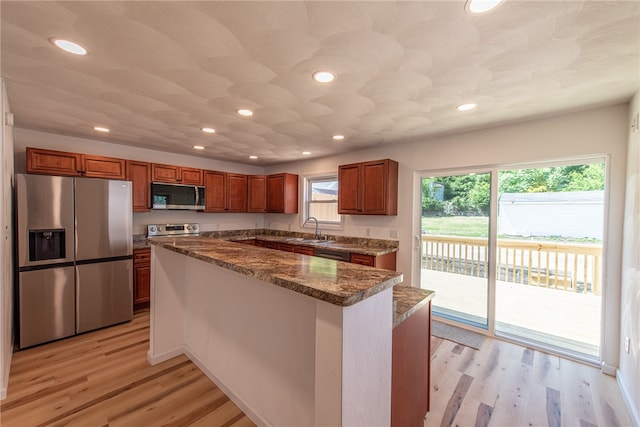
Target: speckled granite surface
[(335, 282), (358, 245), (408, 300), (140, 241)]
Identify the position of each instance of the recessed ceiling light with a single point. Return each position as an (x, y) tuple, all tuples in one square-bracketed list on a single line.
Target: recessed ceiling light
[(324, 76), (101, 129), (478, 7), (198, 147), (245, 112), (338, 137), (253, 157), (68, 46), (466, 107), (208, 130), (306, 153)]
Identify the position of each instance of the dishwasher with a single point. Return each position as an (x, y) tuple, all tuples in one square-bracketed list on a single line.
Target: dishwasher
[(332, 254)]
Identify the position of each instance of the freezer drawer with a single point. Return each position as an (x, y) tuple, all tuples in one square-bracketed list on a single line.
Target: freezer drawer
[(46, 305), (103, 294)]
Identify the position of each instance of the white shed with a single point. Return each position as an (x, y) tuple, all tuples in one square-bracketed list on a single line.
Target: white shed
[(577, 214)]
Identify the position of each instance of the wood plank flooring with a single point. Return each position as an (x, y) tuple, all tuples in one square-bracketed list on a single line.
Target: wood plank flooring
[(507, 385), (103, 379)]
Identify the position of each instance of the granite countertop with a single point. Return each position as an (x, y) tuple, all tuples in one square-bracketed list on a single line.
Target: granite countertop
[(335, 282), (340, 246), (407, 300)]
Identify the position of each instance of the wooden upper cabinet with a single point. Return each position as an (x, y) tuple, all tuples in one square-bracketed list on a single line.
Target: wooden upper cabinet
[(190, 176), (50, 162), (368, 188), (139, 173), (349, 197), (225, 192), (103, 167), (214, 191), (236, 192), (256, 193), (282, 193), (175, 174)]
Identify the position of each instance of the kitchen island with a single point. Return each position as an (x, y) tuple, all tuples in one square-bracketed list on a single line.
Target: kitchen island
[(293, 339)]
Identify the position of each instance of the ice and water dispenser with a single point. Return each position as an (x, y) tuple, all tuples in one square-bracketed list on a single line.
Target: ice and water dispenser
[(46, 244)]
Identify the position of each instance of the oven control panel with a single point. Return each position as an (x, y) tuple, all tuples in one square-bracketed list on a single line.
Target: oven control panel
[(172, 229)]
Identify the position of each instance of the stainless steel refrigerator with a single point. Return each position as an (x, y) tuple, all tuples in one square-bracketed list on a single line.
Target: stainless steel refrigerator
[(75, 250)]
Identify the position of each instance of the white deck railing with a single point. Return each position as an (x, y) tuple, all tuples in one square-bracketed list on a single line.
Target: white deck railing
[(569, 267)]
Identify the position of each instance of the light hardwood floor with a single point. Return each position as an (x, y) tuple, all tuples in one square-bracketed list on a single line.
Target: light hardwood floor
[(103, 379), (507, 385)]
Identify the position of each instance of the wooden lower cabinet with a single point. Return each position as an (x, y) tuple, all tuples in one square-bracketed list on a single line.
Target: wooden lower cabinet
[(410, 369), (304, 250), (141, 277), (386, 261)]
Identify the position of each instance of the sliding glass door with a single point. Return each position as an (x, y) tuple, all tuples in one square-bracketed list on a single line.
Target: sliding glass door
[(454, 245), (522, 260), (549, 256)]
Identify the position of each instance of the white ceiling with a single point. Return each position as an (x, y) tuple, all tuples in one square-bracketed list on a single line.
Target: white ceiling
[(159, 71)]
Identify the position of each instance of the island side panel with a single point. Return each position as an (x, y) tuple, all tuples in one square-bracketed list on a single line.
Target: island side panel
[(166, 338), (366, 369), (256, 341)]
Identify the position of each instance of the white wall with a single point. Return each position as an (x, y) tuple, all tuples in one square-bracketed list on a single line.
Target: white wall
[(208, 221), (587, 133), (6, 276), (629, 373)]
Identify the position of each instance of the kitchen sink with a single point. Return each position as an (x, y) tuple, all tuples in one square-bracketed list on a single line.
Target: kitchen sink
[(316, 241), (295, 239)]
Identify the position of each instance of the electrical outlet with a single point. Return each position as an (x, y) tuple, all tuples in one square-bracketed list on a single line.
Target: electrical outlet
[(627, 341), (393, 233), (367, 232)]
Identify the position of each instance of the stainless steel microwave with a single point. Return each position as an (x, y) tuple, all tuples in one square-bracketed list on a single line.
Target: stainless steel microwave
[(176, 196)]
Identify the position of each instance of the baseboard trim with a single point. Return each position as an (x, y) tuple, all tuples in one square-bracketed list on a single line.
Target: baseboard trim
[(244, 406), (608, 369), (633, 410), (155, 359), (5, 378)]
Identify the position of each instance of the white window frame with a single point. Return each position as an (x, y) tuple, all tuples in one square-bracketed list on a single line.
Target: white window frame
[(330, 225)]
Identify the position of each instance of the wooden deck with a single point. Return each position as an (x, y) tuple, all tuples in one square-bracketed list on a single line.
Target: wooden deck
[(556, 317)]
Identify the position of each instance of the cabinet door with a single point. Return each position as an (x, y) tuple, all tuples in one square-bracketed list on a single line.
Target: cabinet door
[(236, 192), (305, 250), (190, 176), (49, 162), (285, 247), (103, 167), (282, 193), (214, 191), (363, 259), (375, 188), (141, 284), (257, 193), (165, 173), (141, 276), (139, 173), (349, 192)]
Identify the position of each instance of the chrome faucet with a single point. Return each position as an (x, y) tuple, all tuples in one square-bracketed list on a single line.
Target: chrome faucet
[(317, 233)]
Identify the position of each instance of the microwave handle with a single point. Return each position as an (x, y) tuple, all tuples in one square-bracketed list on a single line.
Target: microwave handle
[(197, 195)]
